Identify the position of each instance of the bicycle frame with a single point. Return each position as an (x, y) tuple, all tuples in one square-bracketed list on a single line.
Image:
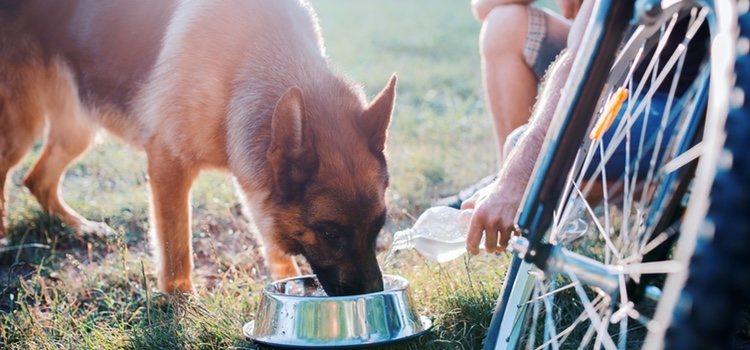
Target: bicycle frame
[(542, 195)]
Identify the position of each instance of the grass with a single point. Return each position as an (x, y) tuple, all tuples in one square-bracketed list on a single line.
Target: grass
[(62, 290)]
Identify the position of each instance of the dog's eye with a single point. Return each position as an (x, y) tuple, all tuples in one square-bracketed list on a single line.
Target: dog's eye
[(327, 233)]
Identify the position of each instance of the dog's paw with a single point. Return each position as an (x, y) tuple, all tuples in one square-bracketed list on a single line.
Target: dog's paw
[(284, 270), (177, 287), (96, 229)]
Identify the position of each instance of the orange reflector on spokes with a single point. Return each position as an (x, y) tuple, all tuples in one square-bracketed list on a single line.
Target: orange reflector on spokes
[(609, 114)]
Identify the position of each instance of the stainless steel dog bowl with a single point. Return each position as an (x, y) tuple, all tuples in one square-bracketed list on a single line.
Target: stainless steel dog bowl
[(296, 313)]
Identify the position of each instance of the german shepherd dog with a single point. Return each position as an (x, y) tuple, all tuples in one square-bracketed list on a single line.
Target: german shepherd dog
[(243, 86)]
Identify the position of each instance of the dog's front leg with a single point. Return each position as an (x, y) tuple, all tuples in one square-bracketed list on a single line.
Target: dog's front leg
[(170, 180), (3, 175), (281, 265)]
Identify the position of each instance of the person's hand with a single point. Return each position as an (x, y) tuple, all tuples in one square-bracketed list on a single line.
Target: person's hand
[(495, 208), (569, 8)]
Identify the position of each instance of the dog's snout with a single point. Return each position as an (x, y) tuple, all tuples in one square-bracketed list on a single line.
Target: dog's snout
[(340, 282), (361, 286), (375, 285)]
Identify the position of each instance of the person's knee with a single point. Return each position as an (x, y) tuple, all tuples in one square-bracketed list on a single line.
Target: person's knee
[(504, 30)]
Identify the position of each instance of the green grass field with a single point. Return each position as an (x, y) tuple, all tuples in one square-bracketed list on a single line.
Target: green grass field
[(61, 290)]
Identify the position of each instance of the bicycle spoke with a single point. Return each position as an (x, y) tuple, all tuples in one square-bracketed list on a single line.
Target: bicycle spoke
[(587, 337), (639, 109), (660, 46), (649, 268), (627, 123), (598, 304), (657, 241), (683, 159), (673, 88), (622, 340), (677, 160), (599, 226), (556, 291), (643, 320), (549, 329), (607, 258), (569, 193), (625, 229), (602, 332), (535, 317), (593, 316), (563, 210)]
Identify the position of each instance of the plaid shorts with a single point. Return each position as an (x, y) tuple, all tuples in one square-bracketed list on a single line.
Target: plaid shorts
[(542, 46)]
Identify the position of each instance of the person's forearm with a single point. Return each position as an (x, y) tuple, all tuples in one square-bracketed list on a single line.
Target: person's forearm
[(482, 8), (521, 161)]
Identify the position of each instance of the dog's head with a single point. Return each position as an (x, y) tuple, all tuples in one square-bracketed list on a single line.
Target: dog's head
[(330, 177)]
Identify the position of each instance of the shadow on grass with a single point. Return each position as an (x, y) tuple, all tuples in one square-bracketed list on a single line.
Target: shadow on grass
[(37, 244), (29, 249)]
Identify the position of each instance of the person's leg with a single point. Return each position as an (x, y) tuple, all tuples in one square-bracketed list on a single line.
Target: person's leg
[(517, 43), (510, 85)]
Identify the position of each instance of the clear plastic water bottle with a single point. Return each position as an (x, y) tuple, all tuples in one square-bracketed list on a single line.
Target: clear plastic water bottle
[(439, 234)]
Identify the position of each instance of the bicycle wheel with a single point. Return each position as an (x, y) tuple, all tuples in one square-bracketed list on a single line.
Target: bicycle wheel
[(704, 305), (623, 194)]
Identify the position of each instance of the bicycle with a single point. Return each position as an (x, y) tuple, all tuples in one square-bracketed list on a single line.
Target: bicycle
[(602, 261)]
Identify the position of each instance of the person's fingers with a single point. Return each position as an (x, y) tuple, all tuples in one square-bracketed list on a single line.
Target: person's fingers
[(505, 233), (471, 203), (490, 239), (475, 234)]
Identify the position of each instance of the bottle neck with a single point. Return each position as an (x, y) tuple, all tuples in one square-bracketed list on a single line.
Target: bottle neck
[(403, 239)]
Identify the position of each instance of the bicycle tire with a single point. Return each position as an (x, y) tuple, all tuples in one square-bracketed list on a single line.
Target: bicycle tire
[(709, 309)]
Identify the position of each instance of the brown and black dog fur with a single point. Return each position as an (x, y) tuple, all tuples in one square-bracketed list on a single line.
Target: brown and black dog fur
[(243, 86)]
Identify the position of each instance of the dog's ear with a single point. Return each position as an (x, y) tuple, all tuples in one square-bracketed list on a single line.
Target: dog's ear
[(291, 153), (376, 118)]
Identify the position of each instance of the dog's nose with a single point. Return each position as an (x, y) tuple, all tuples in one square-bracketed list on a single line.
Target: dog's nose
[(375, 285), (352, 278), (371, 283), (372, 278), (361, 286)]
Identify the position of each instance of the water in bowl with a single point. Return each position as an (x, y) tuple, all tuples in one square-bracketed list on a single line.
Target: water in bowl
[(310, 287)]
